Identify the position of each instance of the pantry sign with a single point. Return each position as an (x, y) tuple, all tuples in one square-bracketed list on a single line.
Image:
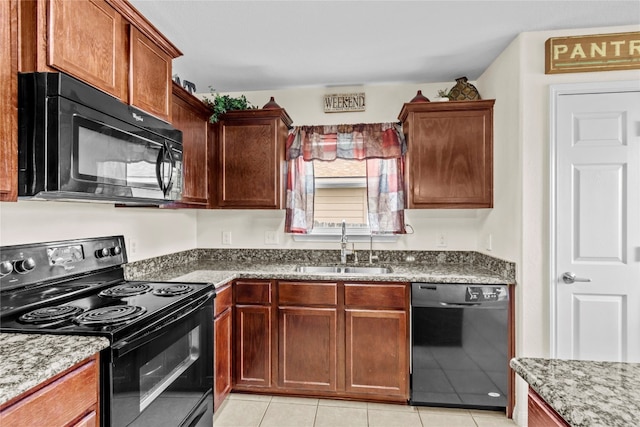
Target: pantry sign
[(597, 52)]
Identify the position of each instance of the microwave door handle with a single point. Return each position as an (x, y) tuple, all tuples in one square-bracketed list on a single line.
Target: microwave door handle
[(123, 347), (173, 165), (158, 167)]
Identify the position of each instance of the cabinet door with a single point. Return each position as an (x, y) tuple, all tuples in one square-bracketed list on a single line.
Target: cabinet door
[(377, 353), (60, 401), (249, 165), (9, 106), (192, 118), (222, 354), (87, 40), (449, 155), (253, 345), (541, 414), (150, 76), (307, 348)]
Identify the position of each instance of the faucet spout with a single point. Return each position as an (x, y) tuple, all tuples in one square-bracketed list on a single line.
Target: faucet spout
[(343, 244)]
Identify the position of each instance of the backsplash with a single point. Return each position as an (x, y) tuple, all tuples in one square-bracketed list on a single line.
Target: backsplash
[(141, 268)]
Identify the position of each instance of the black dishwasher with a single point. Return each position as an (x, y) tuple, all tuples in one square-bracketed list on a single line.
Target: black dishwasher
[(459, 345)]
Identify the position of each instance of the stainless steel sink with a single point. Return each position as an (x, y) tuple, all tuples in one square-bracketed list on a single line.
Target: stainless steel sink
[(367, 270), (318, 269)]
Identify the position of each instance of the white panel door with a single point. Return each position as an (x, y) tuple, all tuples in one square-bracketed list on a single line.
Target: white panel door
[(597, 228)]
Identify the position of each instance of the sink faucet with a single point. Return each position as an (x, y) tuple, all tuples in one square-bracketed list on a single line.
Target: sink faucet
[(372, 257), (343, 244)]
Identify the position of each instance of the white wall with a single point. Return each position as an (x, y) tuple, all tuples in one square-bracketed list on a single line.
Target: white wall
[(305, 106), (519, 222), (149, 232)]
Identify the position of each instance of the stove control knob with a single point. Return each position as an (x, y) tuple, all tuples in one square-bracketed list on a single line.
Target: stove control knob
[(116, 250), (101, 253), (24, 265), (6, 268)]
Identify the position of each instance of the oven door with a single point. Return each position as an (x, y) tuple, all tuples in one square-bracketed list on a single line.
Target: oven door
[(164, 377)]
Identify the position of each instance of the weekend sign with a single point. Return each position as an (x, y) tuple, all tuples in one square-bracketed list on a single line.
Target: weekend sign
[(598, 52)]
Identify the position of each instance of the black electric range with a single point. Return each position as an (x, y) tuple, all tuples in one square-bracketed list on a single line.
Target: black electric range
[(159, 363)]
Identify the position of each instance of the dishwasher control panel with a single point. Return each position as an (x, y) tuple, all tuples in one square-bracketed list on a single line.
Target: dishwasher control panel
[(485, 293)]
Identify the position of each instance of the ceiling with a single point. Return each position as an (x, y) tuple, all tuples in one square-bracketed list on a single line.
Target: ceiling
[(237, 45)]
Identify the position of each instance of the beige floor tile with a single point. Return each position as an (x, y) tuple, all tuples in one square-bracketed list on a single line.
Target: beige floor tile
[(254, 397), (492, 414), (296, 400), (241, 413), (393, 419), (342, 403), (494, 422), (332, 416), (391, 407), (289, 415), (433, 419), (440, 411)]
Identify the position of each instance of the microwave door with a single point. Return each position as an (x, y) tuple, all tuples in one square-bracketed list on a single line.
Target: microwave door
[(112, 162)]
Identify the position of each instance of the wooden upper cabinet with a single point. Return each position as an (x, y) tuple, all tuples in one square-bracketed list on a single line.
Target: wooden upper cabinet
[(150, 77), (191, 116), (9, 105), (87, 40), (105, 43), (250, 167), (449, 161)]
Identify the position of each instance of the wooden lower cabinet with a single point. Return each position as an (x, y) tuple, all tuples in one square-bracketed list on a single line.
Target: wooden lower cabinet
[(68, 399), (307, 348), (377, 352), (324, 339), (541, 414), (222, 341)]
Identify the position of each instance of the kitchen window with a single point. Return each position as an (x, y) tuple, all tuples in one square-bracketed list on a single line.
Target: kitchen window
[(345, 172)]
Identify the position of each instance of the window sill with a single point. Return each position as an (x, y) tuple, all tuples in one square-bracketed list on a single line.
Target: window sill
[(334, 235)]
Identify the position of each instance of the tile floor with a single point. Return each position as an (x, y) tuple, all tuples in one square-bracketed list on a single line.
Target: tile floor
[(244, 410)]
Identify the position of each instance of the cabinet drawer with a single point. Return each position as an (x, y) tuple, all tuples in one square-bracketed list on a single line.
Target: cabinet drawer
[(376, 295), (223, 300), (298, 293), (59, 402), (253, 292)]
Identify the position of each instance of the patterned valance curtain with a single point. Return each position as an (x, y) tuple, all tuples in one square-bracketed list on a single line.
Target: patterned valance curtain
[(381, 144)]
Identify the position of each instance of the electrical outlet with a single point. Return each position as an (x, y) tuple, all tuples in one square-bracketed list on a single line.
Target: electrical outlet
[(270, 238), (441, 239), (132, 246), (226, 237)]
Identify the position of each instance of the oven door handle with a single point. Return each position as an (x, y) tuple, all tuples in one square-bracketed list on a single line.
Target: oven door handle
[(125, 346)]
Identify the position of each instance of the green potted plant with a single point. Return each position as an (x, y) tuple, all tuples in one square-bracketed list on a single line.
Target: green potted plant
[(220, 104), (443, 95)]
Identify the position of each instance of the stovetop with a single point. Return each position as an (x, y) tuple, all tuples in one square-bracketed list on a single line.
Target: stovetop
[(103, 311), (78, 287)]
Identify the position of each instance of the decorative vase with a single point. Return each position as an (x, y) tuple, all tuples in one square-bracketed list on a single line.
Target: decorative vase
[(272, 104), (419, 97), (463, 91)]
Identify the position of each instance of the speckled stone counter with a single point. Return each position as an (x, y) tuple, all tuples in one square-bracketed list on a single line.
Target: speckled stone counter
[(27, 360), (586, 393), (219, 267)]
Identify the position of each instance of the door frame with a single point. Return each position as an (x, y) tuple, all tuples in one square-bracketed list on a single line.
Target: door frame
[(555, 91)]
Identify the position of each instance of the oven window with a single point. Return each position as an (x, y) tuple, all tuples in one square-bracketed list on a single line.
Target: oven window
[(160, 372), (107, 155)]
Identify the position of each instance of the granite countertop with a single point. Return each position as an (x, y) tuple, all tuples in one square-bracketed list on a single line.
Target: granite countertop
[(586, 393), (30, 359), (221, 272)]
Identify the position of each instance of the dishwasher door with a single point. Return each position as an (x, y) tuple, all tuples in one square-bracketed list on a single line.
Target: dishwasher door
[(459, 345)]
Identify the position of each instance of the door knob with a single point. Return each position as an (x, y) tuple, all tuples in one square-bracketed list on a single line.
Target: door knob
[(570, 278)]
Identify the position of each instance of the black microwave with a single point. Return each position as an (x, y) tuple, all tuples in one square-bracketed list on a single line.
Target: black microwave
[(76, 142)]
